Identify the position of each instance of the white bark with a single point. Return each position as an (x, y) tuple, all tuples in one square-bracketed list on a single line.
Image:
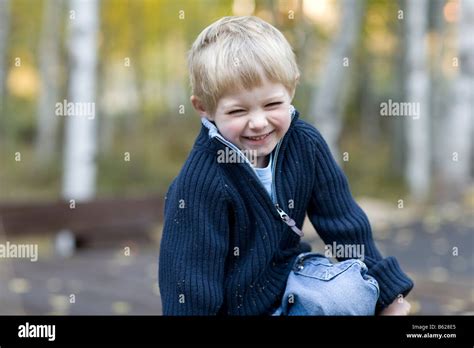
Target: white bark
[(47, 121), (458, 127), (80, 148), (417, 90), (4, 29), (327, 101)]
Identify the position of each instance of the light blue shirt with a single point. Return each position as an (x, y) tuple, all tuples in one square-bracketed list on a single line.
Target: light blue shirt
[(265, 176)]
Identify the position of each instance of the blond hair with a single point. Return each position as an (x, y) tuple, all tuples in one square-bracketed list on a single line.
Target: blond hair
[(233, 52)]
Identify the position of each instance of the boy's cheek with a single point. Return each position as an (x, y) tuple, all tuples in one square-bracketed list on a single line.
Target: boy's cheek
[(283, 122), (231, 132)]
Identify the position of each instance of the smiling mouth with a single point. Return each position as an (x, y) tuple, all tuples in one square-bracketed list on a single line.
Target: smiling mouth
[(259, 137)]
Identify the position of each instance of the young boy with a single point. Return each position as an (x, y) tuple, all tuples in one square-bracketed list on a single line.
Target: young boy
[(233, 215)]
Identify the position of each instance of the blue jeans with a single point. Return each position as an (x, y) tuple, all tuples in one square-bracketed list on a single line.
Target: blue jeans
[(316, 286)]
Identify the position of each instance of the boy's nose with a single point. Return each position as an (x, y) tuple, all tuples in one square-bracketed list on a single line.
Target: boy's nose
[(258, 121)]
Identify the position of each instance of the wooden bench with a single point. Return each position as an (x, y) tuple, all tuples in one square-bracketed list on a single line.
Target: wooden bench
[(110, 218)]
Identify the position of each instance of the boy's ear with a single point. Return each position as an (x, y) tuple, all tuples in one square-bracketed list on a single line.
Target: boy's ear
[(297, 80), (199, 106)]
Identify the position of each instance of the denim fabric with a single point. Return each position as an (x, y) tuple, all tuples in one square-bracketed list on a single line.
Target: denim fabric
[(316, 286)]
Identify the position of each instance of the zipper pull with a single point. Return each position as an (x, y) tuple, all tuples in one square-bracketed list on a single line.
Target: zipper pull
[(289, 221)]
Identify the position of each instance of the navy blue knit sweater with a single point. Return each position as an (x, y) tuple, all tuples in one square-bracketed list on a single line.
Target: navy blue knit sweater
[(225, 248)]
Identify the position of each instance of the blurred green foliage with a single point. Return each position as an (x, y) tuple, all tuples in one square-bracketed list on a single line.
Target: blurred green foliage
[(158, 138)]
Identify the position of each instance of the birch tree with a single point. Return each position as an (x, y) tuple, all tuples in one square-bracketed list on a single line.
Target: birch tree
[(47, 121), (458, 126), (80, 143), (327, 101), (4, 29), (417, 171)]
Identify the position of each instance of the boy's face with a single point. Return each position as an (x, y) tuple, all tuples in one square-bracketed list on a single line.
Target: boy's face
[(256, 119)]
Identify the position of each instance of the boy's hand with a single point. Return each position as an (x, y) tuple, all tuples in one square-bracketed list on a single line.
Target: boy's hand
[(398, 307)]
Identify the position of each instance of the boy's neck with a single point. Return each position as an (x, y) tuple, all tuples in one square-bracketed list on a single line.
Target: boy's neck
[(262, 162)]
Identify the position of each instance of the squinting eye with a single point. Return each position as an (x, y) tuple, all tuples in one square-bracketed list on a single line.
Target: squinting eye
[(235, 112), (274, 104)]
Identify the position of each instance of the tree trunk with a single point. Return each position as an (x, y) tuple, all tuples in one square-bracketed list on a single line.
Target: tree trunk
[(397, 126), (326, 105), (4, 29), (417, 171), (458, 128), (80, 148), (49, 91)]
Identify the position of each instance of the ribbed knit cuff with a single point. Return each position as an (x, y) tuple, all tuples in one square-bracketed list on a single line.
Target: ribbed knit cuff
[(392, 280)]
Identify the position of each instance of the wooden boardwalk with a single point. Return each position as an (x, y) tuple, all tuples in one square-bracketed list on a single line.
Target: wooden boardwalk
[(102, 281)]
